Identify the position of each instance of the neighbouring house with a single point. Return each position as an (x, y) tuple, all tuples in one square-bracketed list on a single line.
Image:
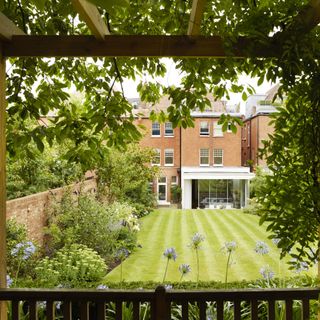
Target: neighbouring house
[(257, 126), (204, 161)]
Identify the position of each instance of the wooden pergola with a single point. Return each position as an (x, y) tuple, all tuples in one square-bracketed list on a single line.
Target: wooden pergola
[(15, 43)]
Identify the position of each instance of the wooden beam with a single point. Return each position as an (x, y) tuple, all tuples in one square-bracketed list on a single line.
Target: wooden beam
[(128, 46), (90, 15), (3, 265), (8, 28), (196, 17)]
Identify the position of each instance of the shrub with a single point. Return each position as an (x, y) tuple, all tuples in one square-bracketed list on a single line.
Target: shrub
[(84, 220), (21, 253), (72, 266)]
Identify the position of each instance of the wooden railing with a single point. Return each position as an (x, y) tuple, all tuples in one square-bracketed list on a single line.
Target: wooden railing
[(160, 304)]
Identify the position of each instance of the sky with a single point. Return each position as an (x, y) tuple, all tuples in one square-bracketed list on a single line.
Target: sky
[(173, 77)]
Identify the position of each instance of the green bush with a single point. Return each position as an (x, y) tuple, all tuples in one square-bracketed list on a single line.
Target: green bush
[(21, 253), (73, 266), (85, 220), (32, 171)]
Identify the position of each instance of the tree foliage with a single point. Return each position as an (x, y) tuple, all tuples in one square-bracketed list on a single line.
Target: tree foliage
[(38, 86)]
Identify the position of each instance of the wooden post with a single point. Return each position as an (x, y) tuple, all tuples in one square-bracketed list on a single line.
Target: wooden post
[(3, 265), (160, 306)]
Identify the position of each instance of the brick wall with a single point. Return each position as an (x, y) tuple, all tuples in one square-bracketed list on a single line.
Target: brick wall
[(31, 210)]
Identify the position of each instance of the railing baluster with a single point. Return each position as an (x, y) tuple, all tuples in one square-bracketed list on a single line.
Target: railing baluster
[(254, 310), (136, 310), (101, 310), (305, 309), (50, 310), (33, 315), (118, 310), (15, 310), (185, 310), (237, 310), (202, 310), (84, 310), (289, 309), (219, 309), (271, 309), (67, 310)]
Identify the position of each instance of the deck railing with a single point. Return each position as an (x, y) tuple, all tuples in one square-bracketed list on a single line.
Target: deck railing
[(161, 304)]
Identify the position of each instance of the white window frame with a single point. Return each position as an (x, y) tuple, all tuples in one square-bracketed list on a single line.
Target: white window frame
[(201, 156), (156, 124), (215, 151), (164, 183), (166, 151), (166, 134), (174, 182), (204, 134), (158, 151), (217, 129)]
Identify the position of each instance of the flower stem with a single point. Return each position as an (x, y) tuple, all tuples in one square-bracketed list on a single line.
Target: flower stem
[(165, 272), (181, 277), (121, 274), (197, 253), (227, 269)]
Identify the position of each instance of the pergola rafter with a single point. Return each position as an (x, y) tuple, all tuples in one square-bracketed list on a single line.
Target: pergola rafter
[(196, 17), (8, 28), (91, 16)]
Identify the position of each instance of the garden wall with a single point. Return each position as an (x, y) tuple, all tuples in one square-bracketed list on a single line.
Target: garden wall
[(30, 211)]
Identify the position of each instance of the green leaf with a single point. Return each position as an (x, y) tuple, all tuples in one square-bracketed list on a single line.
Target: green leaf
[(110, 5), (244, 96), (40, 4)]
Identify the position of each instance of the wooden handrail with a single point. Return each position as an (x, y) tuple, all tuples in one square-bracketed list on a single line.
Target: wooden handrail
[(160, 301)]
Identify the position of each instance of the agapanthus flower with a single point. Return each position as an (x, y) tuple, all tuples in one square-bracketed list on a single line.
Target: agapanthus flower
[(102, 287), (168, 286), (170, 253), (267, 272), (196, 240), (184, 269), (9, 281), (261, 248), (230, 246), (300, 266), (276, 241), (24, 249), (122, 253)]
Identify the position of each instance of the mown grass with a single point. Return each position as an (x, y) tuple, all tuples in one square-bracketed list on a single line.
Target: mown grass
[(166, 228)]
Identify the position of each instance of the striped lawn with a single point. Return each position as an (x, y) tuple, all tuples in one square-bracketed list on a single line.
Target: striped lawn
[(166, 228)]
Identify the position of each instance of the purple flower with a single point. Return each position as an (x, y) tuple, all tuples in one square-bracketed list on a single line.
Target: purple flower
[(276, 241), (196, 240), (122, 253), (300, 266), (230, 246), (102, 287), (261, 248), (9, 281), (170, 253), (24, 250), (267, 272), (184, 269)]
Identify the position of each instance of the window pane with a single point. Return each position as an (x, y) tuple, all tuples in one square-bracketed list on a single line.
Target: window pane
[(217, 130), (162, 180), (156, 158), (168, 156), (218, 156), (156, 129), (204, 156), (168, 129), (174, 180), (204, 128)]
